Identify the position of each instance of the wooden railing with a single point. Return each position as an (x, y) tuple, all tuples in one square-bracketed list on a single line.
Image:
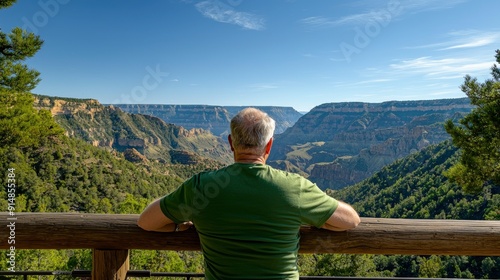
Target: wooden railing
[(112, 236)]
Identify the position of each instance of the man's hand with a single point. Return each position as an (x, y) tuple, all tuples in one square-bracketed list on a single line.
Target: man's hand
[(182, 227)]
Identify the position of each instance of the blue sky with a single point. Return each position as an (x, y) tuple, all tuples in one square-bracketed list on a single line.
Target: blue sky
[(253, 52)]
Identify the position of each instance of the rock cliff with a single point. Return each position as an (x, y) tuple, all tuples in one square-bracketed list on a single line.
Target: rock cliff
[(215, 119), (110, 127), (357, 139)]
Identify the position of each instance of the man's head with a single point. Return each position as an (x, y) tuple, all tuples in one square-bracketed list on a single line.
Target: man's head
[(251, 130)]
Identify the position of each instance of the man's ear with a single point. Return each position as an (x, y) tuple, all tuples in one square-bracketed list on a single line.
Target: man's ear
[(269, 145), (230, 142)]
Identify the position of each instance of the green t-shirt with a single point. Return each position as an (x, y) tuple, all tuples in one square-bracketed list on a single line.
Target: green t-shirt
[(248, 218)]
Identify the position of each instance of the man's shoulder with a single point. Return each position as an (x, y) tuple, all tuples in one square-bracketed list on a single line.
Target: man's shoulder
[(286, 175), (212, 173), (236, 170)]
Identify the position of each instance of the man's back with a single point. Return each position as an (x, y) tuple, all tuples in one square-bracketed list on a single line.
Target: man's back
[(248, 214), (248, 218)]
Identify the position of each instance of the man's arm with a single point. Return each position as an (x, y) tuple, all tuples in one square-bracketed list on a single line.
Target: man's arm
[(153, 219), (344, 218)]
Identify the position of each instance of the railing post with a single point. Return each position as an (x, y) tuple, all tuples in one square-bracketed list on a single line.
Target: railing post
[(110, 264)]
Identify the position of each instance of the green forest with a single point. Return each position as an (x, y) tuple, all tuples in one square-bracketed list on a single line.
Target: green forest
[(456, 179)]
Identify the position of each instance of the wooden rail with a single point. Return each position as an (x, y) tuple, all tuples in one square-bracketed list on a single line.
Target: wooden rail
[(372, 236), (111, 236)]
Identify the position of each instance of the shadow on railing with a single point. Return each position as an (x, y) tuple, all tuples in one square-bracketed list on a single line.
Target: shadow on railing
[(112, 236)]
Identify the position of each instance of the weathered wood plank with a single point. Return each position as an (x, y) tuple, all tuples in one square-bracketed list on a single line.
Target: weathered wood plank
[(372, 236), (110, 264)]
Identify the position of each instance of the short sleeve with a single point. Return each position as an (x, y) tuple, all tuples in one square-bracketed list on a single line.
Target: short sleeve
[(316, 206), (178, 205)]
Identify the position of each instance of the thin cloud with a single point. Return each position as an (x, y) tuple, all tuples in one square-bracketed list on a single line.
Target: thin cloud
[(418, 6), (383, 14), (317, 21), (356, 19), (221, 12), (451, 77), (473, 39), (480, 43), (445, 68), (464, 39), (373, 81), (426, 63)]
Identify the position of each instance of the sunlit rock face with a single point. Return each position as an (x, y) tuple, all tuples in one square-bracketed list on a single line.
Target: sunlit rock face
[(339, 144), (215, 119)]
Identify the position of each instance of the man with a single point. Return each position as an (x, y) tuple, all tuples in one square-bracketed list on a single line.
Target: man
[(248, 214)]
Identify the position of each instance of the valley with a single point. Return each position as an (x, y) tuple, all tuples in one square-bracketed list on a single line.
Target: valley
[(335, 144)]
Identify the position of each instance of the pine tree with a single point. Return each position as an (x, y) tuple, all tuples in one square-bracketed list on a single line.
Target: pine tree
[(21, 125), (14, 49), (478, 134)]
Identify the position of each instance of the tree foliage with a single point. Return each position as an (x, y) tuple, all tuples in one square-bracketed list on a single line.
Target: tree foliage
[(14, 49), (6, 3), (478, 134), (415, 187), (23, 126)]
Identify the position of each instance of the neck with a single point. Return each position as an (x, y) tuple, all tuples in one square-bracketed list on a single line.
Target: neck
[(248, 157)]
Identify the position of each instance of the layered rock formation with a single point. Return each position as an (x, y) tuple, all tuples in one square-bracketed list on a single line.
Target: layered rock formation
[(335, 144), (357, 139), (110, 127), (215, 119)]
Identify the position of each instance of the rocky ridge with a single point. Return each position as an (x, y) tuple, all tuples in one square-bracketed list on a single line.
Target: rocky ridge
[(215, 119), (357, 139), (110, 127)]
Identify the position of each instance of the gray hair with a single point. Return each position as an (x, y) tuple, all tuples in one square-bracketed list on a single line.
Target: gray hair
[(251, 129)]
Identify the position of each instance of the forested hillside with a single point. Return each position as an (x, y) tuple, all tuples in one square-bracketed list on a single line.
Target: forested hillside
[(56, 173), (415, 187), (110, 127)]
